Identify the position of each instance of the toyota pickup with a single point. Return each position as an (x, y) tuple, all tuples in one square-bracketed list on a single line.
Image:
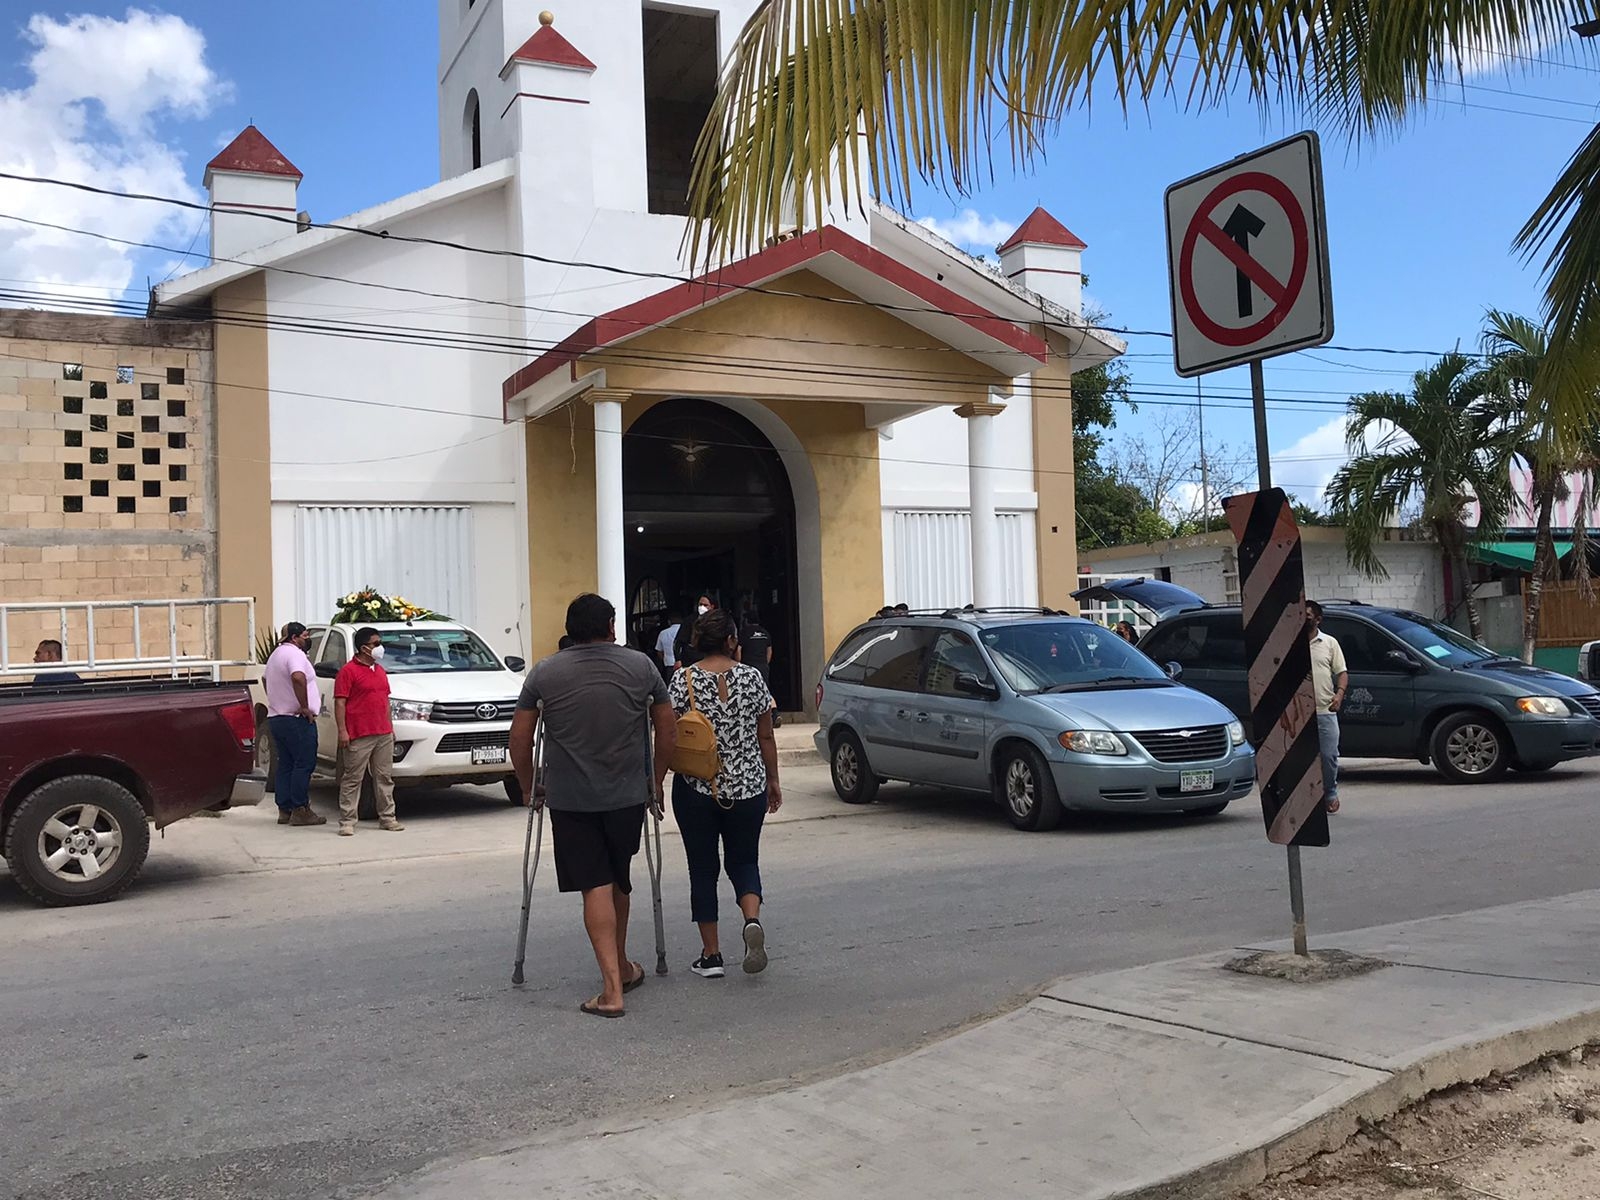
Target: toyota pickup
[(86, 767)]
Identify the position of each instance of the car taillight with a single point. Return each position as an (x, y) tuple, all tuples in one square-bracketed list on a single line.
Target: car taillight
[(819, 696), (242, 723)]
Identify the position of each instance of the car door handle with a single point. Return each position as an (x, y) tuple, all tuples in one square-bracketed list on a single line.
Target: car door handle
[(922, 718), (903, 714)]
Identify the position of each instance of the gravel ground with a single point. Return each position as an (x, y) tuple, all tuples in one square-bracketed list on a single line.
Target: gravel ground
[(1529, 1135)]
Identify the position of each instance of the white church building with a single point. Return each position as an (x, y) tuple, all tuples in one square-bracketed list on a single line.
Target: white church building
[(510, 387)]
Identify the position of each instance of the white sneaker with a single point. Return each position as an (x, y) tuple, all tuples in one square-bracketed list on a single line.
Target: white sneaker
[(346, 829), (755, 948)]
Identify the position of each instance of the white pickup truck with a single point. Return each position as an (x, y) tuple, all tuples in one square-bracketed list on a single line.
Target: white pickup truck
[(451, 700)]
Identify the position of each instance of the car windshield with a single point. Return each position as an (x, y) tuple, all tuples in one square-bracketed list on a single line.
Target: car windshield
[(415, 651), (1066, 656), (1434, 641)]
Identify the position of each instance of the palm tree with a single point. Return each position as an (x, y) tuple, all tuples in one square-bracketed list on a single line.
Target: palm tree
[(1439, 448), (819, 93), (1515, 348)]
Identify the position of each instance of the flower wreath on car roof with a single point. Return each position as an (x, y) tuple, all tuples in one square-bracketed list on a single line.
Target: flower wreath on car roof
[(369, 604)]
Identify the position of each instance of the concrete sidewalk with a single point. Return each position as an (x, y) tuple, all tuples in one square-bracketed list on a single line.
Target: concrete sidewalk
[(1179, 1079)]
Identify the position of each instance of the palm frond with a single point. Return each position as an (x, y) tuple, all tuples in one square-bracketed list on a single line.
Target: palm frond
[(916, 88)]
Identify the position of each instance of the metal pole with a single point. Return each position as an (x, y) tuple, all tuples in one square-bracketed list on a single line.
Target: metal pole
[(1258, 400), (1205, 469)]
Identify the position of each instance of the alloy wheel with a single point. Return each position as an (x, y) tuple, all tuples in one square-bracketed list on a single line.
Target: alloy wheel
[(1472, 749), (80, 842)]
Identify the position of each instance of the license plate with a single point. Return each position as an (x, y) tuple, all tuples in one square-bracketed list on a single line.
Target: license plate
[(483, 755), (1197, 781)]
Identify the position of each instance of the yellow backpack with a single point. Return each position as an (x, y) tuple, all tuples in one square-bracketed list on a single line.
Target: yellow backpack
[(696, 755)]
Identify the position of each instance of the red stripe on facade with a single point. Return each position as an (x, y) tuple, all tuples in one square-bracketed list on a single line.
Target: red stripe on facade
[(767, 265), (539, 96)]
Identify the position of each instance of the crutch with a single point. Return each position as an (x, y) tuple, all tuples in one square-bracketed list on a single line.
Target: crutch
[(654, 862), (530, 850)]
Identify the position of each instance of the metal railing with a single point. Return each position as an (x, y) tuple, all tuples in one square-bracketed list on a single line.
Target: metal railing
[(174, 661)]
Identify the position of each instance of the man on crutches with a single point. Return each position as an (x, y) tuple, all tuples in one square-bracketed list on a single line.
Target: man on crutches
[(599, 702)]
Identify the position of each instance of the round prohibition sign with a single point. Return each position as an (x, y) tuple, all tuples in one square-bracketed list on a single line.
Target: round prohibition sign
[(1282, 293)]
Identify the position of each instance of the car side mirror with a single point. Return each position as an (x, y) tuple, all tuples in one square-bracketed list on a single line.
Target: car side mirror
[(1399, 658), (327, 671), (1174, 670), (516, 664), (968, 684)]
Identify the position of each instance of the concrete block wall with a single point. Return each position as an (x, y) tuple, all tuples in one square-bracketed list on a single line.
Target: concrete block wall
[(1415, 578), (107, 481)]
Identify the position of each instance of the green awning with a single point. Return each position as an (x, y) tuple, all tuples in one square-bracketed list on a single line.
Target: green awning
[(1518, 556)]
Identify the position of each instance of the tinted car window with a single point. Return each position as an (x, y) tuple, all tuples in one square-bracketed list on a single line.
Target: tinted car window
[(854, 658), (952, 654), (1364, 647), (333, 652), (1433, 640), (1212, 641), (1065, 654), (895, 662)]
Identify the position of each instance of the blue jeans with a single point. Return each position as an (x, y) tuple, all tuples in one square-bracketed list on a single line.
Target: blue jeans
[(1328, 738), (703, 824), (296, 739)]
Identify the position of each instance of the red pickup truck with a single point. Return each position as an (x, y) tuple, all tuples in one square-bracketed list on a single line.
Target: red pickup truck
[(86, 767)]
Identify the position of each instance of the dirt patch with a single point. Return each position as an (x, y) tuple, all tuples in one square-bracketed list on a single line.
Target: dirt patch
[(1318, 967), (1533, 1134)]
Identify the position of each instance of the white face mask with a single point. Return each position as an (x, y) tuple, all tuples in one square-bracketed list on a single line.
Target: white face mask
[(376, 652), (704, 609)]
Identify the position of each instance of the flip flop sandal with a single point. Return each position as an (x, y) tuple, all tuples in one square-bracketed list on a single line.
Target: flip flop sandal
[(594, 1010), (636, 981)]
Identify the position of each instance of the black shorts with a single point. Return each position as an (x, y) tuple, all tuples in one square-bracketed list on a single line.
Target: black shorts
[(594, 849)]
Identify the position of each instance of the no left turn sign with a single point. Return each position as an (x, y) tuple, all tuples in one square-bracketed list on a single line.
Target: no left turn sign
[(1248, 260)]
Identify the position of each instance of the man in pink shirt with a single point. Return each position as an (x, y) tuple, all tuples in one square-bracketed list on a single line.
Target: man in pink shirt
[(293, 703)]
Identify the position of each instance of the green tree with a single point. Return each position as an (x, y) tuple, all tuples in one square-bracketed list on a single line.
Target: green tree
[(1306, 516), (1434, 451), (818, 93)]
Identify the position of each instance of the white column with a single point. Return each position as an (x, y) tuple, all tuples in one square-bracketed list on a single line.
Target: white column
[(609, 554), (987, 591)]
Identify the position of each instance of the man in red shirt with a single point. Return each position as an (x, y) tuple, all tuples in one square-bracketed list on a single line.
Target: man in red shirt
[(366, 734)]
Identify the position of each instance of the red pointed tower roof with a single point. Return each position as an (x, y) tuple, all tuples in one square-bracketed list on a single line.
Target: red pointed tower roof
[(1041, 229), (250, 153), (549, 47)]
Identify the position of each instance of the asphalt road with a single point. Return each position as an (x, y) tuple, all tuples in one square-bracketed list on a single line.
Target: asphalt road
[(317, 1031)]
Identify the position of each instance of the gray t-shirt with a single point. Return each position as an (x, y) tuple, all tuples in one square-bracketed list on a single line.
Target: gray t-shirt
[(597, 699)]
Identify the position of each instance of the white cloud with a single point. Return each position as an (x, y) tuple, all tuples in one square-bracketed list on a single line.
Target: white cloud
[(971, 230), (100, 89), (1314, 459)]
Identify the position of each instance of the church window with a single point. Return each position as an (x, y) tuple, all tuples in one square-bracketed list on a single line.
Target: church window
[(474, 130), (680, 83)]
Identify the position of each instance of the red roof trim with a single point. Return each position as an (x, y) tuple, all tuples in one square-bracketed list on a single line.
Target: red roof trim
[(1041, 229), (252, 154), (775, 261), (549, 47)]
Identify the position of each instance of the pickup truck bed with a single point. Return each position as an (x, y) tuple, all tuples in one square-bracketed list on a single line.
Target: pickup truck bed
[(85, 767)]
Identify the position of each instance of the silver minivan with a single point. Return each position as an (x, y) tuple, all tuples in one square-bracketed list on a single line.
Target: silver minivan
[(1042, 711)]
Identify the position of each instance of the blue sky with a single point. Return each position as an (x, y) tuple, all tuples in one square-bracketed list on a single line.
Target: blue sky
[(1420, 223)]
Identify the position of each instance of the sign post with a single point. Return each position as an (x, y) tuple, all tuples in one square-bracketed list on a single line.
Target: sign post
[(1247, 256)]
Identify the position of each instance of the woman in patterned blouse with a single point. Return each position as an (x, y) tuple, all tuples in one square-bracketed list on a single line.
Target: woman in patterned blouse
[(727, 813)]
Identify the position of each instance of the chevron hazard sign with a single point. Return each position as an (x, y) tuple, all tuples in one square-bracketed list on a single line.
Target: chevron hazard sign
[(1283, 706)]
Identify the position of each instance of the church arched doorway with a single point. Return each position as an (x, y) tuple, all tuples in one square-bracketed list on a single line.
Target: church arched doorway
[(709, 509)]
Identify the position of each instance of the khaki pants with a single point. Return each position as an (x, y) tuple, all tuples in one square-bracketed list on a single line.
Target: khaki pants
[(378, 751)]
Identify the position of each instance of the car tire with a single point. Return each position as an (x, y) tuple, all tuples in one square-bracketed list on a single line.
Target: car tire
[(59, 806), (853, 778), (1027, 790), (514, 791), (1531, 768), (1469, 747), (1210, 810), (367, 804)]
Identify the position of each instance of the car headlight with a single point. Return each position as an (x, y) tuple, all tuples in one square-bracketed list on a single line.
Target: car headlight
[(1236, 732), (1092, 741), (1543, 706), (410, 710)]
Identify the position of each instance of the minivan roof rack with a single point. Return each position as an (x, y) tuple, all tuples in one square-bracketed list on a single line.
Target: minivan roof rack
[(1351, 603), (973, 611)]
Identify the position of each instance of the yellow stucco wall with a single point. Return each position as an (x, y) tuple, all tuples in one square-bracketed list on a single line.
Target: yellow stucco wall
[(1055, 480), (244, 471), (842, 453)]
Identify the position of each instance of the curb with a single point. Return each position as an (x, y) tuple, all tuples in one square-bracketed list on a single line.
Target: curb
[(1467, 1062)]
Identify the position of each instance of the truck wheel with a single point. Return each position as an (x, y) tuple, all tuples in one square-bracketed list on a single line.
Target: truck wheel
[(1468, 747), (77, 840), (853, 779), (1028, 790)]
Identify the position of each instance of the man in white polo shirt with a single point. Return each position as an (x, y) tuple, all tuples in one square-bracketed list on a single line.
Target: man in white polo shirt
[(1330, 679)]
